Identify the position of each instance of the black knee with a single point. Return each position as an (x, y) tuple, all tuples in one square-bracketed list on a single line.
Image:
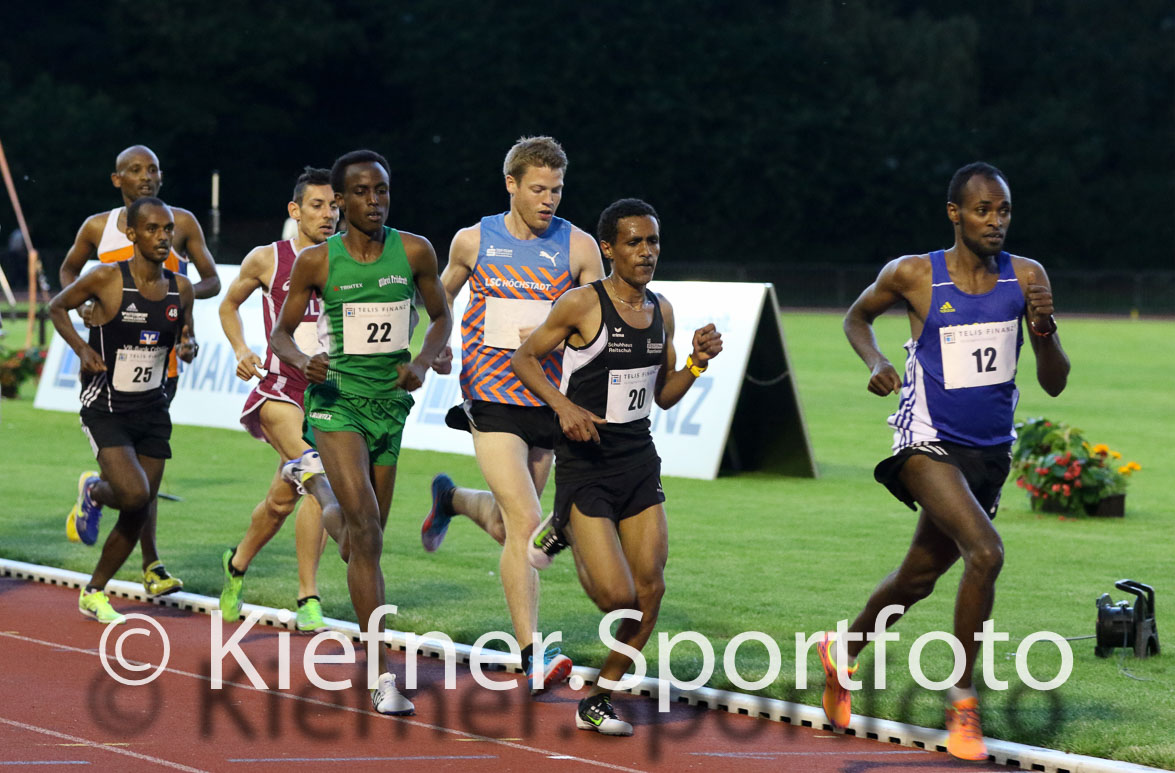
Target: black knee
[(610, 599), (130, 522), (986, 560)]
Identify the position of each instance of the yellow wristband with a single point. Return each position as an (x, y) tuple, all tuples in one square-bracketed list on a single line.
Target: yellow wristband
[(692, 368)]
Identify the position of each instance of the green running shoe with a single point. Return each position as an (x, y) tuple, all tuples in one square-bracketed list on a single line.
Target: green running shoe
[(310, 616), (97, 606), (230, 594)]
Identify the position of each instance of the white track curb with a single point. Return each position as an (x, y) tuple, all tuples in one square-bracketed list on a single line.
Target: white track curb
[(1003, 752)]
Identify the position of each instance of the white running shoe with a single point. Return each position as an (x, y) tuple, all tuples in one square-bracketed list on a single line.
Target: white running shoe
[(386, 699), (297, 471)]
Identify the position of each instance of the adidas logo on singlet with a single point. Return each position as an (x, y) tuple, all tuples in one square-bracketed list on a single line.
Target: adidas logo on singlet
[(946, 308)]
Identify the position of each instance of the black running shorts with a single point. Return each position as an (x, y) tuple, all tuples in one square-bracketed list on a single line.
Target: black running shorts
[(616, 494), (985, 470), (536, 425), (148, 431)]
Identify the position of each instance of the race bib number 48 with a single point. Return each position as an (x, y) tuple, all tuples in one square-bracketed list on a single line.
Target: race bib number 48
[(978, 355), (139, 370), (630, 393), (376, 328)]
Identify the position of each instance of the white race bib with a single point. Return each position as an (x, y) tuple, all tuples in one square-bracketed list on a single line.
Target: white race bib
[(504, 317), (375, 328), (306, 337), (630, 393), (139, 370), (978, 355)]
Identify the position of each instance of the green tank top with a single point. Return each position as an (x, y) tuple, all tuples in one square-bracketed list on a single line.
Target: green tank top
[(366, 317)]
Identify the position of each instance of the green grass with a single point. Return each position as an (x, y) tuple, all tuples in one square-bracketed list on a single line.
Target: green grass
[(747, 552)]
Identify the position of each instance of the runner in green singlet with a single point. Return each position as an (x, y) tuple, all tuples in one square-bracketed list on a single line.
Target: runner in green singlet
[(358, 399)]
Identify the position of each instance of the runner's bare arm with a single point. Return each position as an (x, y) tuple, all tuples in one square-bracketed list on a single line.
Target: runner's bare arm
[(186, 348), (886, 291), (85, 247), (586, 264), (308, 275), (673, 384), (462, 260), (256, 272), (570, 315), (89, 287), (1052, 364), (423, 260), (195, 249)]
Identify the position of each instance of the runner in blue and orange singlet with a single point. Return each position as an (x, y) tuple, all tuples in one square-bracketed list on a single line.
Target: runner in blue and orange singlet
[(517, 264)]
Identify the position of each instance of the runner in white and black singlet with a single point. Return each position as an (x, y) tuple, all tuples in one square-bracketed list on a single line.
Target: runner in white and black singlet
[(141, 311), (619, 359)]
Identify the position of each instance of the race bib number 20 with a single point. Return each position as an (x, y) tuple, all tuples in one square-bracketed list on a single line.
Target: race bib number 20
[(978, 355), (630, 393)]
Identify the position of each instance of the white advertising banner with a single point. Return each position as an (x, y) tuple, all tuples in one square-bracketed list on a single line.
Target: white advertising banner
[(690, 437)]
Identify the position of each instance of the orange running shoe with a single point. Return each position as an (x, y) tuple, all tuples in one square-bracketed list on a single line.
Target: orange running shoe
[(965, 736), (837, 701)]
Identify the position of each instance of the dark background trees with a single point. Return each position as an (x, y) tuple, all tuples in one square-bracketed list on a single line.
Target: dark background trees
[(781, 133)]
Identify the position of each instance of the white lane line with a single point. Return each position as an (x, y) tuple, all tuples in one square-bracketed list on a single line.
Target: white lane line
[(327, 704), (99, 746)]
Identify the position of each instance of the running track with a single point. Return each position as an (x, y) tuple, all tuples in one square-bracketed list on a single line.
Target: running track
[(59, 709)]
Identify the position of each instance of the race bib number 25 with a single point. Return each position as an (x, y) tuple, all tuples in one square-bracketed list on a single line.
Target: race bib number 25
[(978, 355)]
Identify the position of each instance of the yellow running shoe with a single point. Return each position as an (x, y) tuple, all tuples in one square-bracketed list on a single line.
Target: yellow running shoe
[(964, 734), (157, 582), (82, 523), (97, 606), (837, 701)]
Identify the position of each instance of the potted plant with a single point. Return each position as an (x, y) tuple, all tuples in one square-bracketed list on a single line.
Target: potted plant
[(16, 365), (1063, 473)]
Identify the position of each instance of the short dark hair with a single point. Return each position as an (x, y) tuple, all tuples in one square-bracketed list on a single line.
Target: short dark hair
[(960, 178), (132, 212), (338, 172), (310, 176), (606, 228)]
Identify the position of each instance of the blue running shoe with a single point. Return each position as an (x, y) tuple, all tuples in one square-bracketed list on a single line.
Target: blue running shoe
[(82, 523), (556, 668), (436, 523)]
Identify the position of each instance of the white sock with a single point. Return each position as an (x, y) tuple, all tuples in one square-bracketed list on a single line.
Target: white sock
[(956, 694)]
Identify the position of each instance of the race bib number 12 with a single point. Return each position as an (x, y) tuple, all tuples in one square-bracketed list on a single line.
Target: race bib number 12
[(978, 355)]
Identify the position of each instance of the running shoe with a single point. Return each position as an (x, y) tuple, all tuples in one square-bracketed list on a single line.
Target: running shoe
[(545, 543), (230, 592), (556, 668), (964, 734), (157, 582), (97, 606), (837, 701), (82, 523), (297, 471), (436, 523), (386, 699), (310, 616), (596, 713)]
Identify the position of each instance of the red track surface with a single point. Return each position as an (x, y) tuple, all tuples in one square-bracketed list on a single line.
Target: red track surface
[(57, 703)]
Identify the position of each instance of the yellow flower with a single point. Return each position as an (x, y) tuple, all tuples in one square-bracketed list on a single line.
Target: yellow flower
[(1134, 465), (1115, 455), (1101, 448), (1125, 469)]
